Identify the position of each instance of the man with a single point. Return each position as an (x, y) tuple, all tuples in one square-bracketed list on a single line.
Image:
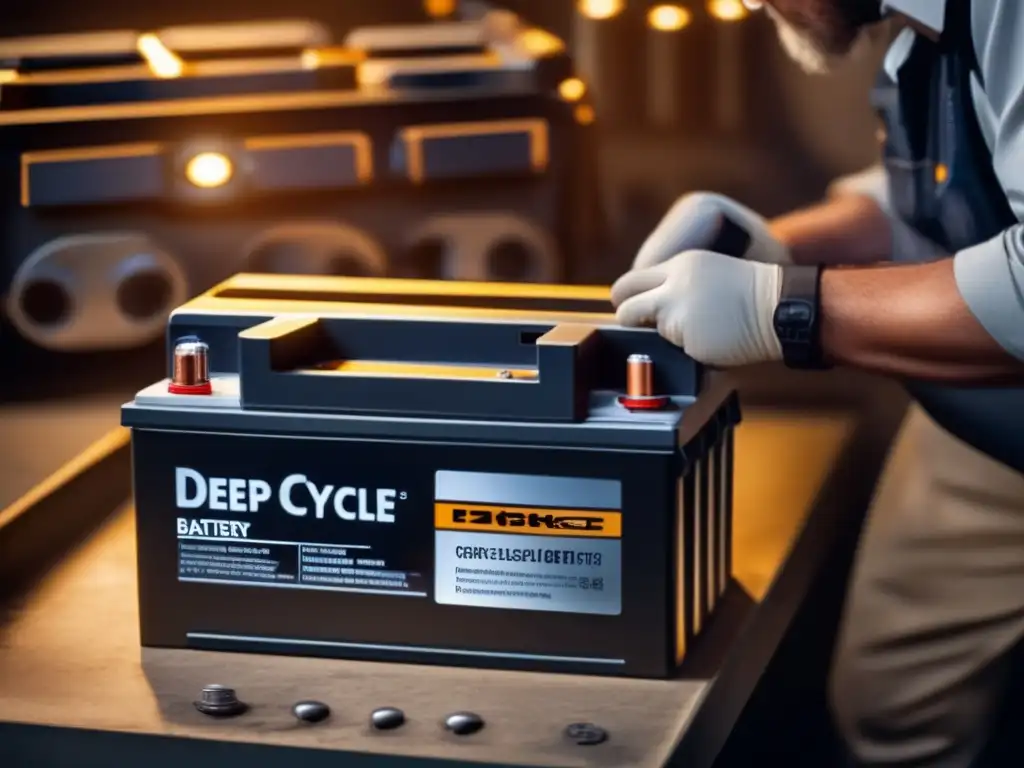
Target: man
[(936, 606)]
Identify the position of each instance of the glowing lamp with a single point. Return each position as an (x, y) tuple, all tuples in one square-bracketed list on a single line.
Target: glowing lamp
[(668, 18), (209, 170), (572, 89), (600, 9), (728, 10)]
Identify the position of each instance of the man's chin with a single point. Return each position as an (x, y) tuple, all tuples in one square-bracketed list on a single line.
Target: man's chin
[(812, 57)]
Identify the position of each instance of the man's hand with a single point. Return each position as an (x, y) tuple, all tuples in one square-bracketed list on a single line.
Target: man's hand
[(694, 223), (719, 309)]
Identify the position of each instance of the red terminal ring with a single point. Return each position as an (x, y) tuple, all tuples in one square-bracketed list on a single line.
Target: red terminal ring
[(191, 374), (641, 403), (206, 388)]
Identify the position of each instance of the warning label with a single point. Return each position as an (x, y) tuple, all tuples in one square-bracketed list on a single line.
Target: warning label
[(528, 543), (290, 564)]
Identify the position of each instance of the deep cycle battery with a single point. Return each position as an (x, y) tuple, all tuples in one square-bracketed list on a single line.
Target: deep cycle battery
[(483, 474)]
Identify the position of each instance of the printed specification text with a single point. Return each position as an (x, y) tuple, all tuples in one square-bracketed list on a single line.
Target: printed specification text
[(287, 564)]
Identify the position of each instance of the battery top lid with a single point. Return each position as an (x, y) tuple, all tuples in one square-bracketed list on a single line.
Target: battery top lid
[(434, 348)]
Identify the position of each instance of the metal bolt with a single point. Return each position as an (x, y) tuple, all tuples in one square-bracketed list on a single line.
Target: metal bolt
[(311, 711), (586, 734), (387, 718), (463, 723), (220, 701)]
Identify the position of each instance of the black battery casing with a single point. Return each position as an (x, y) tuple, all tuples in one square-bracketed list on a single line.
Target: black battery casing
[(596, 546)]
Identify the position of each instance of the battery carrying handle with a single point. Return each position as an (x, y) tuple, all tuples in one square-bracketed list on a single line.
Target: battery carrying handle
[(281, 367)]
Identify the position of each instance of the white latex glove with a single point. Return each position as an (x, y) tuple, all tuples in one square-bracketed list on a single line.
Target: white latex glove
[(693, 223), (719, 309)]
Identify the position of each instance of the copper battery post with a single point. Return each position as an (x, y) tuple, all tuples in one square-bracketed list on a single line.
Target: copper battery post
[(191, 373), (640, 394)]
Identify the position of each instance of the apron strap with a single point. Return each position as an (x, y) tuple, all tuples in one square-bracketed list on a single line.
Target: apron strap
[(958, 35)]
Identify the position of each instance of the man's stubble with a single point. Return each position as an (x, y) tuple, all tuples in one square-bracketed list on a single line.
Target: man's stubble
[(823, 55)]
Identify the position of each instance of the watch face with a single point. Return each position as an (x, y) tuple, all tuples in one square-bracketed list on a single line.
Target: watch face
[(793, 321), (793, 313)]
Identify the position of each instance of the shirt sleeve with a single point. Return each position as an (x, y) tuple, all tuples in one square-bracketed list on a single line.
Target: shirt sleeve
[(990, 276)]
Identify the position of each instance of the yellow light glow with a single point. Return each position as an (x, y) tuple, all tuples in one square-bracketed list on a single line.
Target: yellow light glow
[(584, 114), (209, 170), (728, 10), (600, 9), (540, 42), (161, 60), (438, 9), (310, 59), (668, 18), (941, 174), (8, 75), (315, 58), (572, 89)]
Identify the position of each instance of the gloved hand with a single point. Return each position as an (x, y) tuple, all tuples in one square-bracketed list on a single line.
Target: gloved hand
[(695, 223), (718, 308)]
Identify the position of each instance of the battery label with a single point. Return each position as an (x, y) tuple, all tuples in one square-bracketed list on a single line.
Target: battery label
[(528, 542), (264, 531)]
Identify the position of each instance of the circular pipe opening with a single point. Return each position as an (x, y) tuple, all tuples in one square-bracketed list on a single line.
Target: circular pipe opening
[(145, 295), (510, 260), (425, 260), (349, 264), (278, 257), (294, 257), (45, 302)]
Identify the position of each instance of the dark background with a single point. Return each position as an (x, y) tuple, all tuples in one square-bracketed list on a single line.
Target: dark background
[(805, 130)]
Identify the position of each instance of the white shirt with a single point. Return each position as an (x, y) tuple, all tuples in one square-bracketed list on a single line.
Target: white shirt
[(990, 275)]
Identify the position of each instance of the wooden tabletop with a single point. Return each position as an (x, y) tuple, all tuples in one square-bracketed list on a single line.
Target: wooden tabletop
[(69, 652)]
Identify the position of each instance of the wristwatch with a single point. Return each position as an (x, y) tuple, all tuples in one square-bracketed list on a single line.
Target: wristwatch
[(797, 317)]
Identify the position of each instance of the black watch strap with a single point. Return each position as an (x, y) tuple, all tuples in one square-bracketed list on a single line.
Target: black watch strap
[(797, 317)]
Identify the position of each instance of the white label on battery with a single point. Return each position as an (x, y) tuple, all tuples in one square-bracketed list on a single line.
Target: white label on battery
[(528, 542)]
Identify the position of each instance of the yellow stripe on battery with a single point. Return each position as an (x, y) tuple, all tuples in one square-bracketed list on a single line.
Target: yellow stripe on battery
[(541, 521)]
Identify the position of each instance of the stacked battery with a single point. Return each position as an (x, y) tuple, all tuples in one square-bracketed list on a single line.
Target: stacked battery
[(138, 168)]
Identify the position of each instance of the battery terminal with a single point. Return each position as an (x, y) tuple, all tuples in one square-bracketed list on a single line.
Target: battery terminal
[(191, 374), (640, 394)]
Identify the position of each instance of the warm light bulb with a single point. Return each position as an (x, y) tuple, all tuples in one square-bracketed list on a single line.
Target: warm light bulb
[(162, 61), (728, 10), (438, 9), (600, 9), (540, 42), (572, 89), (208, 170), (668, 18), (584, 114)]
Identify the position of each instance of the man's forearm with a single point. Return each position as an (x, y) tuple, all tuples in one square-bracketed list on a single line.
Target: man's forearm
[(849, 229), (909, 321)]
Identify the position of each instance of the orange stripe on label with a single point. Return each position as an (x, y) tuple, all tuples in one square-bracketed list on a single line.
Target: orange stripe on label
[(458, 516)]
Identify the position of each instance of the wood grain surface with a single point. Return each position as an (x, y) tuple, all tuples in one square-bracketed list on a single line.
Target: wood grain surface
[(69, 652)]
